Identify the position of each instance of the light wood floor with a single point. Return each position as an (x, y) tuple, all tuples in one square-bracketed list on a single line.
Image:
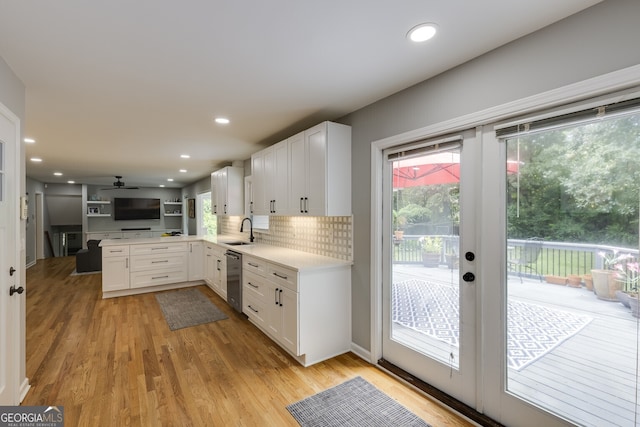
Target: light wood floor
[(115, 362)]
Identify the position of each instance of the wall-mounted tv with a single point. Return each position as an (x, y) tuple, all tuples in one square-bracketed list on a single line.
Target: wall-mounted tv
[(135, 208)]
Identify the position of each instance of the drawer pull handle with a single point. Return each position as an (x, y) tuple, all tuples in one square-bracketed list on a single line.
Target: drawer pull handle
[(252, 285), (113, 251), (159, 277), (154, 249), (276, 296), (253, 265), (280, 276), (252, 309), (158, 262)]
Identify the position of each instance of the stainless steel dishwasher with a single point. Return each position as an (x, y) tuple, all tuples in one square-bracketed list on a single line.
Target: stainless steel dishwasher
[(234, 280)]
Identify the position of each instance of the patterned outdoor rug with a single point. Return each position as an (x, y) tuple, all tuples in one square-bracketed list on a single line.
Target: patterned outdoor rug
[(353, 403), (533, 330), (187, 307)]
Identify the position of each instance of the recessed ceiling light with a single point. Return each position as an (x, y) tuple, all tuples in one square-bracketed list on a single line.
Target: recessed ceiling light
[(71, 182), (36, 159), (57, 173), (183, 171), (29, 140), (422, 32), (161, 185), (185, 156), (170, 179), (222, 121)]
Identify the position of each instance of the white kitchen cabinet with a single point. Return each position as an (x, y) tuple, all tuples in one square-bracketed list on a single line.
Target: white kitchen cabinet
[(196, 267), (209, 264), (320, 171), (270, 179), (219, 271), (227, 191), (145, 267), (115, 268), (307, 312)]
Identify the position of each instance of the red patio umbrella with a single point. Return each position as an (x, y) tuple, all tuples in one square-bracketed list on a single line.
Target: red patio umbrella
[(431, 169)]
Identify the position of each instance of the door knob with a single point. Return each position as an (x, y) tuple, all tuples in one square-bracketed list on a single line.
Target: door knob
[(11, 271), (468, 277), (13, 290), (469, 256)]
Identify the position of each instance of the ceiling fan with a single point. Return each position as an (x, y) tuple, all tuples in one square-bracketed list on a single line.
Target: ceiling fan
[(120, 185)]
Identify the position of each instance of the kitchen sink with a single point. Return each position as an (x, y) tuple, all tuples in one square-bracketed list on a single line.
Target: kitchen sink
[(236, 243)]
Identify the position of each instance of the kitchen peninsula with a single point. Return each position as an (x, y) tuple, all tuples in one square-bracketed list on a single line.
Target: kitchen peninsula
[(300, 300)]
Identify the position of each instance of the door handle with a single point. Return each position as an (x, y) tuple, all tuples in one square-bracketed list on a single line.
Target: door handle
[(11, 271), (13, 290), (468, 277)]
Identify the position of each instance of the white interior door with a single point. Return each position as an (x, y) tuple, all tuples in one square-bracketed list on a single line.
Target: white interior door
[(9, 265)]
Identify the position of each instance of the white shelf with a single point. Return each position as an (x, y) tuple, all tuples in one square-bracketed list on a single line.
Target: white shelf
[(95, 215), (172, 203), (173, 214), (98, 202)]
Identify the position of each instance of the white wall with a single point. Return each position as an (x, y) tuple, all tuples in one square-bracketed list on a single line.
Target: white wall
[(594, 42)]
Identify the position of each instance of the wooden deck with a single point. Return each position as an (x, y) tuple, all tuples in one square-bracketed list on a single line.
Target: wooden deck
[(592, 377)]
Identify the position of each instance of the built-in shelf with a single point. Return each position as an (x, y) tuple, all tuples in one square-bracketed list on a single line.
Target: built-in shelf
[(97, 214), (173, 214), (98, 202), (172, 203)]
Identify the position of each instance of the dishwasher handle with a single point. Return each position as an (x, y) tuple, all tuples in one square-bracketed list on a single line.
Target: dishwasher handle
[(232, 255)]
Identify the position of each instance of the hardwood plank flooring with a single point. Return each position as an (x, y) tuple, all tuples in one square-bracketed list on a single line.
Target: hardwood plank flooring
[(115, 362)]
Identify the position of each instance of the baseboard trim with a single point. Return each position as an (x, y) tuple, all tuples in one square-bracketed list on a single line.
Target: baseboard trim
[(361, 352), (440, 396), (24, 389)]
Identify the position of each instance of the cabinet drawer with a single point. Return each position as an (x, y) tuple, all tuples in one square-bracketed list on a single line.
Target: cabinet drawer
[(136, 234), (158, 248), (254, 265), (142, 279), (110, 251), (253, 307), (283, 277), (159, 261), (253, 284)]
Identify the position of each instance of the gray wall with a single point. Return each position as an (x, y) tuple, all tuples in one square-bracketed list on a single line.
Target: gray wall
[(190, 192), (596, 41)]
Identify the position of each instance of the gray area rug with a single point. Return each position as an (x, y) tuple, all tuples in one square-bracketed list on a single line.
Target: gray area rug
[(188, 307), (352, 403)]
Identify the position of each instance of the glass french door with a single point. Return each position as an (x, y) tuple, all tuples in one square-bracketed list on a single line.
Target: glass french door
[(428, 308)]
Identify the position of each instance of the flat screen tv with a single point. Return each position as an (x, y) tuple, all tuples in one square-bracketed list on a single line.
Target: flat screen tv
[(135, 208)]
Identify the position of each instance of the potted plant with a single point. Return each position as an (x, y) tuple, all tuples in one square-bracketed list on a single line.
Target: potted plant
[(399, 221), (431, 248), (627, 273), (574, 280), (606, 281)]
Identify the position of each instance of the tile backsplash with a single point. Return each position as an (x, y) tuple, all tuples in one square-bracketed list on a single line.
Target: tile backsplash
[(330, 236)]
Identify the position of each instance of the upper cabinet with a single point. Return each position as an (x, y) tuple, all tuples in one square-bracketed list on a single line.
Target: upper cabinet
[(320, 171), (270, 180), (227, 191), (306, 174)]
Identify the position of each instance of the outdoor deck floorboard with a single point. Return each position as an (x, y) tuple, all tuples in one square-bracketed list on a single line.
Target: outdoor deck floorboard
[(591, 377)]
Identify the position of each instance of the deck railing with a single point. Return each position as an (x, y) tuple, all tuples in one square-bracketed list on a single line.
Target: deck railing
[(555, 258)]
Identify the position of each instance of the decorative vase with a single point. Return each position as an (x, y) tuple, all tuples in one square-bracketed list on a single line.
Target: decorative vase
[(605, 284)]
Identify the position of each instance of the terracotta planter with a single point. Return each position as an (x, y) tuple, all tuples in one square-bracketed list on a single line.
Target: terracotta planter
[(574, 281), (605, 284), (556, 280), (588, 282)]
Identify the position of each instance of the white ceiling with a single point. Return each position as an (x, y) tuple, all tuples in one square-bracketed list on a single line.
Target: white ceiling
[(124, 87)]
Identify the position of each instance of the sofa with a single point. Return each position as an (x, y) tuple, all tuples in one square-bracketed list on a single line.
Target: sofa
[(89, 259)]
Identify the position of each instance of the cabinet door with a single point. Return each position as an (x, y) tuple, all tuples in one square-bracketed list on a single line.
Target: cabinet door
[(315, 142), (115, 273), (297, 175), (289, 314), (259, 184), (280, 178), (273, 314), (209, 266), (196, 267)]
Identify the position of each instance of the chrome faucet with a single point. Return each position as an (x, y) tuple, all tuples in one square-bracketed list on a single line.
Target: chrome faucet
[(250, 224)]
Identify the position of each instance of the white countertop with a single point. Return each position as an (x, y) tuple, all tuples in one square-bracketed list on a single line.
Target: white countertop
[(298, 260)]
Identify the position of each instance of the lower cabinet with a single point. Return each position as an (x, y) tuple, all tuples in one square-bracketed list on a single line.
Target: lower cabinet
[(307, 313), (115, 268), (143, 267), (216, 269)]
